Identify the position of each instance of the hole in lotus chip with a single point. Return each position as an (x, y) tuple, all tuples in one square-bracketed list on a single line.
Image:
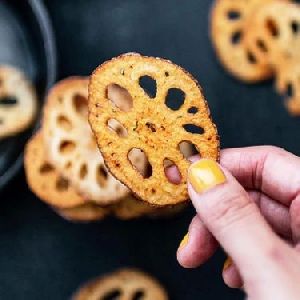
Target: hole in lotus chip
[(272, 27), (172, 172), (295, 26), (138, 295), (148, 84), (233, 15), (187, 149), (66, 147), (140, 162), (261, 45), (83, 171), (175, 98), (119, 97), (193, 110), (46, 168), (192, 128), (251, 58), (62, 184), (8, 101), (289, 90), (112, 295), (117, 127), (80, 105), (236, 37), (64, 123), (101, 176)]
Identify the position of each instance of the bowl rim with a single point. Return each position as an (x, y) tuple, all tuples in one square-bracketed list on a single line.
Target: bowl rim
[(47, 33)]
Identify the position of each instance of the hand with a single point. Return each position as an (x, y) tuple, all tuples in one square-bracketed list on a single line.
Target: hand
[(251, 207)]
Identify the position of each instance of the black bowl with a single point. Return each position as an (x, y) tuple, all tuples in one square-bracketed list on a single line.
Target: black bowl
[(27, 42)]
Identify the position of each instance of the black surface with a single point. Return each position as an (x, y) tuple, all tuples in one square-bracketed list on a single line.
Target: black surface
[(26, 43), (44, 257)]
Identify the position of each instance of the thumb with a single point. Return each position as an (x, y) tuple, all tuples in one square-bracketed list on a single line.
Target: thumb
[(229, 214)]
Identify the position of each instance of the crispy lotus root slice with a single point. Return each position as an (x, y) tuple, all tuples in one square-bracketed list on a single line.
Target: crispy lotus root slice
[(131, 208), (126, 284), (44, 180), (288, 84), (18, 101), (72, 146), (274, 32), (151, 125), (85, 213), (230, 23)]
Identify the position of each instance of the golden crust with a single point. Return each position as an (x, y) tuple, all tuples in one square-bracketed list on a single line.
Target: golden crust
[(85, 213), (287, 84), (65, 124), (44, 180), (16, 117), (161, 139), (127, 282), (229, 35), (271, 37)]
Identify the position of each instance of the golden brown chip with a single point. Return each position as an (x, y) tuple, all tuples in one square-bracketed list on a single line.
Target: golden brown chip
[(168, 211), (126, 284), (85, 213), (18, 101), (230, 24), (152, 126), (288, 84), (274, 32), (131, 208), (44, 180), (72, 146)]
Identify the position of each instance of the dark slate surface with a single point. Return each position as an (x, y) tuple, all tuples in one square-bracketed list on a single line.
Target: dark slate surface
[(44, 257)]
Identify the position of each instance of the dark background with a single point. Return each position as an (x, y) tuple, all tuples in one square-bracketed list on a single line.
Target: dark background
[(45, 257)]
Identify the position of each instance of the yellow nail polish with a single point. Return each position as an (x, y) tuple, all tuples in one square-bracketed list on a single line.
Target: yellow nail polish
[(205, 174), (227, 264), (184, 241)]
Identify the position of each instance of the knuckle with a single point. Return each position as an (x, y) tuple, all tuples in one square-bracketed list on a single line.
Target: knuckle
[(229, 210)]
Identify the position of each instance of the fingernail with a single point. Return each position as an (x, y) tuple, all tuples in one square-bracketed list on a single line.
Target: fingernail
[(227, 264), (184, 241), (205, 174)]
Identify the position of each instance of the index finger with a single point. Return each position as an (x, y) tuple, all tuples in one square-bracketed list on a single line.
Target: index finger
[(271, 170)]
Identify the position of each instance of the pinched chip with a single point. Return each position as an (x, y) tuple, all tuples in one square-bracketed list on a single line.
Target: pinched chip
[(44, 180), (127, 284), (274, 32), (85, 213), (167, 108), (230, 23), (72, 147), (18, 102)]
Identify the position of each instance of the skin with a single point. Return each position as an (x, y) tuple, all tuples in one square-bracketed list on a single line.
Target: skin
[(255, 217)]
